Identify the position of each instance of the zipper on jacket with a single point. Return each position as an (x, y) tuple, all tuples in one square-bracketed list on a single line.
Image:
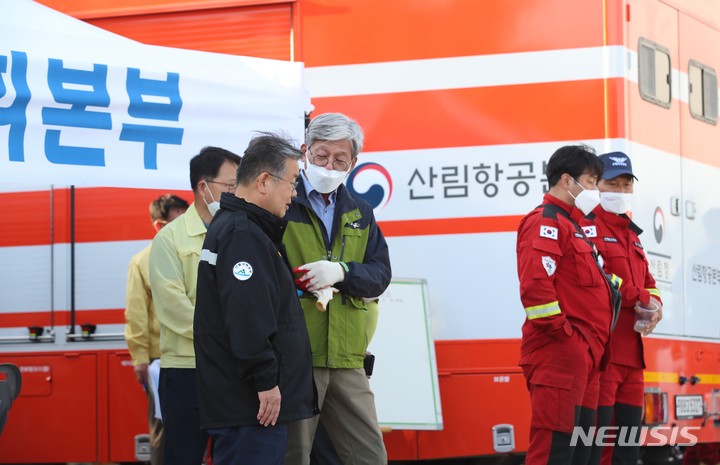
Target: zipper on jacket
[(342, 249), (342, 252)]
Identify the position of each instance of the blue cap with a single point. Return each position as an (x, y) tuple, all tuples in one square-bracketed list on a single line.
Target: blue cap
[(616, 164)]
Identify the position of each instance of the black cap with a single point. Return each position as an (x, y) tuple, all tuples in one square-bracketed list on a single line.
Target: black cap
[(616, 164)]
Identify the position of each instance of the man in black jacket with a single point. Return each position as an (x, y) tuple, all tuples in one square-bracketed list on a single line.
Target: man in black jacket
[(251, 343)]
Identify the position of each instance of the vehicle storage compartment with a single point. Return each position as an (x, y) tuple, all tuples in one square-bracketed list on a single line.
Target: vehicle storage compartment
[(58, 392), (127, 407)]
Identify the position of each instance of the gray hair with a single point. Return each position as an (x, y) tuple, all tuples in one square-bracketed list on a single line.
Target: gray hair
[(335, 126), (266, 152)]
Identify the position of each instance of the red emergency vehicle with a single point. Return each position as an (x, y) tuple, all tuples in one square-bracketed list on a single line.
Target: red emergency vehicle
[(462, 102)]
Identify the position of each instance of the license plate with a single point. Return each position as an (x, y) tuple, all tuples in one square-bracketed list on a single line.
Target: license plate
[(689, 407)]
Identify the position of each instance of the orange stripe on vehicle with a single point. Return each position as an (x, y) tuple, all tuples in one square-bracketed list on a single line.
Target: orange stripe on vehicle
[(115, 214), (614, 23), (331, 30), (485, 224), (660, 377), (615, 108), (101, 214), (45, 319), (25, 218), (258, 30), (478, 116), (15, 320), (708, 378), (85, 9)]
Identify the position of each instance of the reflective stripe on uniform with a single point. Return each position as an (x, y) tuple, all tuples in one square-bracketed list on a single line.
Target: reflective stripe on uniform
[(616, 280), (542, 311), (654, 292), (207, 256)]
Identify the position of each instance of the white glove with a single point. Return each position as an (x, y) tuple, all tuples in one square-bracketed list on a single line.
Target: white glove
[(324, 296), (320, 274)]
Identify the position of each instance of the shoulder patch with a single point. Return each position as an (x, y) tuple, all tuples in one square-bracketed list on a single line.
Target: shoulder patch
[(549, 232), (242, 271), (638, 245), (590, 231), (549, 264)]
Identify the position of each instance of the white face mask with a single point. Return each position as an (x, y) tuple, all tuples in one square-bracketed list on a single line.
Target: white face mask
[(213, 206), (587, 199), (616, 202), (323, 180)]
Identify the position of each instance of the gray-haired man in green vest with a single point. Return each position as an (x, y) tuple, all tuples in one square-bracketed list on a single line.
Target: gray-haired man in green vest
[(334, 244)]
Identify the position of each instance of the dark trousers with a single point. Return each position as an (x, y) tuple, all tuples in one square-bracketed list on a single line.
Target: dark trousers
[(251, 445), (323, 451), (185, 442), (588, 418), (623, 416)]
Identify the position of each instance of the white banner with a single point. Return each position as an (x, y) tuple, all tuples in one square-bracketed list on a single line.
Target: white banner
[(458, 182), (80, 105)]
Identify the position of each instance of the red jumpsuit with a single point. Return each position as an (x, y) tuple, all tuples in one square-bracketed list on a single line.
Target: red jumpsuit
[(569, 313), (621, 384)]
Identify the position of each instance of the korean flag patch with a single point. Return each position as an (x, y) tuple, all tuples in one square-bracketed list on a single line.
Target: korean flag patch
[(242, 271), (590, 231), (549, 264), (549, 232)]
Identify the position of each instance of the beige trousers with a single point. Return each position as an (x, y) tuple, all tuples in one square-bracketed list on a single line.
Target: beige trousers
[(347, 410)]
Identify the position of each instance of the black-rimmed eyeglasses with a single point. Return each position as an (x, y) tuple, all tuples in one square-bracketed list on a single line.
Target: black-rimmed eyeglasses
[(294, 184), (322, 160)]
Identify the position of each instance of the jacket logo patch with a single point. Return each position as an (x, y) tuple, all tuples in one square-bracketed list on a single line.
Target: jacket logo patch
[(577, 234), (242, 271), (549, 264), (549, 232), (590, 231), (638, 245), (609, 239)]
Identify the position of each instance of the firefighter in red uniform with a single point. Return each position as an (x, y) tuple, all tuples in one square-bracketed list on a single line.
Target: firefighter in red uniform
[(568, 301), (616, 238)]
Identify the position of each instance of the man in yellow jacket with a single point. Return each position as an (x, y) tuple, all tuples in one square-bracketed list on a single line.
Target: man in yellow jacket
[(142, 331), (174, 259)]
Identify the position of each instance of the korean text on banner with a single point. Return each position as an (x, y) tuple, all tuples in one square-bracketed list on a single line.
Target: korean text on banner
[(82, 106)]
